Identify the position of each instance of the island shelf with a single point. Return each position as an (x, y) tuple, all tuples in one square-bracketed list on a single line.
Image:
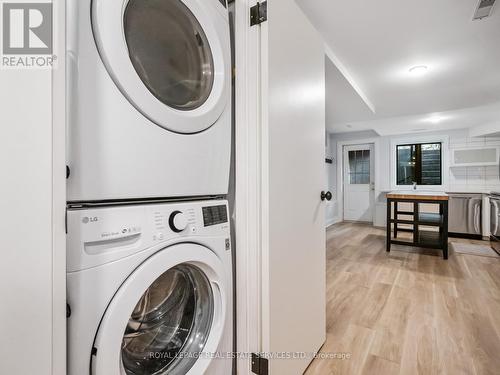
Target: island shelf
[(435, 234)]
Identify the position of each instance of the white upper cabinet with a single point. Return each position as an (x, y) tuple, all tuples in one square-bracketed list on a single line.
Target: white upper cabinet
[(479, 156)]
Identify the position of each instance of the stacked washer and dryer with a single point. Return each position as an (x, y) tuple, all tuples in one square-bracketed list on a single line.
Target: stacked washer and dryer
[(149, 263)]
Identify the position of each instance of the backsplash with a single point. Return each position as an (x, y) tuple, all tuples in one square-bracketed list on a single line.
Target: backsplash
[(471, 179)]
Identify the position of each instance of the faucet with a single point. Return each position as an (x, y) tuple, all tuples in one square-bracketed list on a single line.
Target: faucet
[(414, 185)]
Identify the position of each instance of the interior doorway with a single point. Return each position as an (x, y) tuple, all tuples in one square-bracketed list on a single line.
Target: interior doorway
[(359, 182)]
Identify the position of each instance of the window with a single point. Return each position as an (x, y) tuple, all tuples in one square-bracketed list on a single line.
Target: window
[(359, 167), (420, 163)]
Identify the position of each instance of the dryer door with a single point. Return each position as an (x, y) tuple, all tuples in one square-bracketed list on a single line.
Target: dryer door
[(167, 317), (170, 58)]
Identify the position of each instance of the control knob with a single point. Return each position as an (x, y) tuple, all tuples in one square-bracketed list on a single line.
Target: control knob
[(177, 221)]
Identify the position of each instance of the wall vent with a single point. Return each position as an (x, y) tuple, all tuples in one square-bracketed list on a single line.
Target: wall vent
[(484, 9)]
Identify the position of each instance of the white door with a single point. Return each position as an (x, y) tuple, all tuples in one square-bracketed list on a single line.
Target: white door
[(293, 109), (359, 186)]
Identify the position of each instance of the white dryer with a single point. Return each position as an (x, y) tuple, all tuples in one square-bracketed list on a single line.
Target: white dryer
[(149, 99), (150, 290)]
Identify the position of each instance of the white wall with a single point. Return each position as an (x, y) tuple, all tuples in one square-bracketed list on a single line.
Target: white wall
[(466, 179), (26, 222), (32, 274)]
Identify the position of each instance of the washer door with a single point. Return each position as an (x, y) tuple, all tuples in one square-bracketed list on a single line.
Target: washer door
[(167, 317), (169, 58)]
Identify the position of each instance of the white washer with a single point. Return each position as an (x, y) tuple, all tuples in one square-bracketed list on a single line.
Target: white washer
[(149, 99), (150, 289)]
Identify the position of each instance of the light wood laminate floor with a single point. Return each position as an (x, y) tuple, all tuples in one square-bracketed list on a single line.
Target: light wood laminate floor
[(410, 311)]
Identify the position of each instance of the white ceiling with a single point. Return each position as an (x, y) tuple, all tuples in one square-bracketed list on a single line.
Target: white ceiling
[(374, 44), (344, 103), (488, 116)]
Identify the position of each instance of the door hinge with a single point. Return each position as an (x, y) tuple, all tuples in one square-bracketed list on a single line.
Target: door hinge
[(258, 13), (260, 365)]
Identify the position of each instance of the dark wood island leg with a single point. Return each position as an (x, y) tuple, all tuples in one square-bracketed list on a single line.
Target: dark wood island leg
[(388, 225), (395, 217), (444, 208)]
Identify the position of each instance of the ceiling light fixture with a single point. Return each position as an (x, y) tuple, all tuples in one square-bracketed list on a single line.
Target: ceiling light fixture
[(435, 119), (418, 71)]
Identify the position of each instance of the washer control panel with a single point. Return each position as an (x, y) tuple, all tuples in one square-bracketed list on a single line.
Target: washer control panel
[(189, 219), (100, 235)]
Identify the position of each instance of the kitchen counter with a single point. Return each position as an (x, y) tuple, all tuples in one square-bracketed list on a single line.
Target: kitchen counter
[(418, 195), (468, 192)]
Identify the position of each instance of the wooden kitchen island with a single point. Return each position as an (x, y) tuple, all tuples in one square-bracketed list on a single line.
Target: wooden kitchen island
[(429, 230)]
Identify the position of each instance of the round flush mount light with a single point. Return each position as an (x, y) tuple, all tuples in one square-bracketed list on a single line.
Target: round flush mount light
[(418, 70), (435, 119)]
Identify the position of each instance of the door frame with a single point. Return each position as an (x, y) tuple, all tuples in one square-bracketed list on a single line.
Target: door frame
[(251, 161), (340, 171), (248, 186), (59, 319)]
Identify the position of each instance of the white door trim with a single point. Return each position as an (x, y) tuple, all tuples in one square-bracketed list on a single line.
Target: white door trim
[(250, 171), (340, 169), (59, 319), (248, 200)]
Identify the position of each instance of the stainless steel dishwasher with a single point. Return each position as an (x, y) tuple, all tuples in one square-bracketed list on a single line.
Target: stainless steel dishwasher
[(465, 215)]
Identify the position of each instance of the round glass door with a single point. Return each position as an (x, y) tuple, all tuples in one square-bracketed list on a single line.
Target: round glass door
[(170, 324), (170, 52), (169, 58)]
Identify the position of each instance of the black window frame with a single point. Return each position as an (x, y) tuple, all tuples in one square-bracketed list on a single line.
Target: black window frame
[(418, 163)]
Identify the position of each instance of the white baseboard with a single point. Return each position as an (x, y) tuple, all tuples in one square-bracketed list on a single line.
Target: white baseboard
[(332, 221)]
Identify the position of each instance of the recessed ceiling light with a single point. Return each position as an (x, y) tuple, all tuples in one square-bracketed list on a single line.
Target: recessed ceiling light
[(418, 70), (435, 119)]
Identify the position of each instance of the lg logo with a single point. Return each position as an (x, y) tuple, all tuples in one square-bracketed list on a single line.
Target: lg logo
[(27, 28), (87, 219)]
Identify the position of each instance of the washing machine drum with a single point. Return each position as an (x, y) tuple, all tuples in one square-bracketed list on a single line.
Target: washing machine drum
[(174, 325), (174, 314), (168, 57)]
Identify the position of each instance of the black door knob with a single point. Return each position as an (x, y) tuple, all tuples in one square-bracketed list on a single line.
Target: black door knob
[(326, 195)]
